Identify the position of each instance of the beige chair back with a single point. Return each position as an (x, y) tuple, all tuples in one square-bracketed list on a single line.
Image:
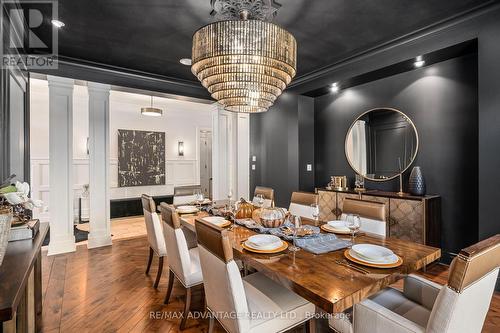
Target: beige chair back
[(224, 289), (372, 214), (462, 305), (177, 248), (300, 205), (153, 226), (267, 193), (185, 194)]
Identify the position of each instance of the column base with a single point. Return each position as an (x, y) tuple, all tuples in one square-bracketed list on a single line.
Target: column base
[(62, 245), (98, 239)]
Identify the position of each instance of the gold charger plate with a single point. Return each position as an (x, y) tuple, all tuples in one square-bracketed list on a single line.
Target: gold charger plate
[(327, 228), (283, 247), (364, 263)]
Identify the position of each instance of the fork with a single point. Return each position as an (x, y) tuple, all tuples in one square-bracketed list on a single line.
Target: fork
[(349, 265)]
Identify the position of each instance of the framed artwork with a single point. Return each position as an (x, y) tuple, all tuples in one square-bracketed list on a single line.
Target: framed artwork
[(141, 158)]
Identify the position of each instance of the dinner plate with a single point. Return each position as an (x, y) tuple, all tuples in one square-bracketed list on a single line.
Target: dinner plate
[(217, 220), (264, 242), (328, 228), (283, 247), (372, 252), (350, 255), (187, 209)]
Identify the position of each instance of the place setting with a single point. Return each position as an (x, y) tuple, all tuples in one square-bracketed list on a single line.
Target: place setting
[(373, 256)]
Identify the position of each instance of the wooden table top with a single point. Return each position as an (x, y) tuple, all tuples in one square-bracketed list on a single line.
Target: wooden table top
[(317, 278), (15, 270)]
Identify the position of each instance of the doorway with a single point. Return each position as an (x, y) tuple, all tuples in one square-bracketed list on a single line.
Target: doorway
[(206, 162)]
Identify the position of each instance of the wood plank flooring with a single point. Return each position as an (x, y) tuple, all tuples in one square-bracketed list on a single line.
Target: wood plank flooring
[(106, 290)]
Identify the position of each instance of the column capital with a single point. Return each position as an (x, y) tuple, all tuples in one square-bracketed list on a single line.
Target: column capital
[(60, 82), (95, 87)]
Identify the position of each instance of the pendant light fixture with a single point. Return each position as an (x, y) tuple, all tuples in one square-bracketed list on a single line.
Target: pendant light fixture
[(151, 111), (244, 61)]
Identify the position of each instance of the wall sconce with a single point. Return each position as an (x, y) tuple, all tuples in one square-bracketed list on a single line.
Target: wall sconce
[(180, 148)]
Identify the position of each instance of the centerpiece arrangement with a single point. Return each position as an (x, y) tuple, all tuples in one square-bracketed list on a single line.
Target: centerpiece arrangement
[(15, 209)]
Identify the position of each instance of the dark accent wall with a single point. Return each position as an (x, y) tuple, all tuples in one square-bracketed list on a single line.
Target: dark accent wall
[(442, 101), (282, 140)]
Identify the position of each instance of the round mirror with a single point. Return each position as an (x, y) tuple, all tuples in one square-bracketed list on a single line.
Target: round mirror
[(381, 144)]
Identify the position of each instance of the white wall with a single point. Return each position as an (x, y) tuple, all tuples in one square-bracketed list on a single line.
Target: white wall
[(181, 121)]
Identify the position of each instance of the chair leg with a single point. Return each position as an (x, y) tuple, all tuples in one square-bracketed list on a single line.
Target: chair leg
[(160, 269), (187, 305), (150, 260), (311, 325), (211, 324), (170, 285)]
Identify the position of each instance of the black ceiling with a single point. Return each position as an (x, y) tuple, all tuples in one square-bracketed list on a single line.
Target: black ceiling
[(152, 35)]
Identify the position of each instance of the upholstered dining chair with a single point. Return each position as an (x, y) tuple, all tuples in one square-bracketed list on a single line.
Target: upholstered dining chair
[(185, 194), (155, 235), (372, 214), (300, 205), (423, 306), (267, 193), (260, 304), (183, 263)]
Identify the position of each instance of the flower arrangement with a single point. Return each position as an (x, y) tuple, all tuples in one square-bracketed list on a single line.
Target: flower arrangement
[(16, 197)]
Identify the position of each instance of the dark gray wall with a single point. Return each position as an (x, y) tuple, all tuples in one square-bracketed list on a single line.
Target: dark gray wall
[(282, 140), (442, 102)]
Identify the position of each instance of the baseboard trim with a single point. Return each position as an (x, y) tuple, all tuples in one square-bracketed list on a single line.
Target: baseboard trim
[(59, 246)]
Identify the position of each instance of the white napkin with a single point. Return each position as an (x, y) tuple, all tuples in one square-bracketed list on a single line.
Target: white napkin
[(264, 242), (338, 225)]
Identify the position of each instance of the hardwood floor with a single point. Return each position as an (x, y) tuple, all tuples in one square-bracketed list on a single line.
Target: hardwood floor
[(106, 290)]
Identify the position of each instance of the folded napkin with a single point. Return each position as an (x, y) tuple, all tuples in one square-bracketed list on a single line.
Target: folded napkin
[(323, 243)]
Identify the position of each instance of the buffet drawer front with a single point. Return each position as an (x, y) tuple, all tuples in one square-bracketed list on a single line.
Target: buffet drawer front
[(406, 220), (327, 205)]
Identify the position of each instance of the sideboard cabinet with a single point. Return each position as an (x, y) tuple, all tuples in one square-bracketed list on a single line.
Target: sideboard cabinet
[(410, 217)]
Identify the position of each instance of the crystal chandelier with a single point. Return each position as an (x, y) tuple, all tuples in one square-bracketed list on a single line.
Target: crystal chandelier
[(244, 63)]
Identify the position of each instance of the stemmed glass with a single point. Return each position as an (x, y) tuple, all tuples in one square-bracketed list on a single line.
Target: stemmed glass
[(296, 224), (198, 195), (259, 200), (353, 223), (315, 212)]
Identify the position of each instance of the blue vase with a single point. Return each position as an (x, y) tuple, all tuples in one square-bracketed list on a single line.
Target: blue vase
[(416, 182)]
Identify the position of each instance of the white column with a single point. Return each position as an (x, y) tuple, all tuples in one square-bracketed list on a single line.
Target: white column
[(62, 237), (230, 154), (243, 155), (100, 225)]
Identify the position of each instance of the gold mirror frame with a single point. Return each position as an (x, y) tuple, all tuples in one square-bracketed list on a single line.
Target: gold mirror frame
[(412, 159)]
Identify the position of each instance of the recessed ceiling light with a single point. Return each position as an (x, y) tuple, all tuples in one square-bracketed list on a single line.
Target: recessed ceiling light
[(57, 23), (185, 61), (419, 62), (335, 87)]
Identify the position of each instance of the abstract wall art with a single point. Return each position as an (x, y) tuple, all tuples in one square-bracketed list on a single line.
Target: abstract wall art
[(141, 158)]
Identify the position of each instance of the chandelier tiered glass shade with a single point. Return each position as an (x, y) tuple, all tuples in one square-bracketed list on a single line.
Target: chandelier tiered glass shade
[(244, 64)]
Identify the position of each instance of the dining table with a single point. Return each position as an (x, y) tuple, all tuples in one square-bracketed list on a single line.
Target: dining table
[(328, 280)]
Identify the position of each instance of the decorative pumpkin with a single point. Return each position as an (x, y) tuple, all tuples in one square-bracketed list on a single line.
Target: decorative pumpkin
[(245, 209), (272, 217), (256, 215)]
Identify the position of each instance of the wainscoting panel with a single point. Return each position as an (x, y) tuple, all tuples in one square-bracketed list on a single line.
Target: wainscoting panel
[(179, 172)]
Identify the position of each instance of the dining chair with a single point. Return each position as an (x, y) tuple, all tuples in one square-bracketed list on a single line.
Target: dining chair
[(372, 215), (184, 195), (183, 263), (155, 235), (260, 304), (424, 306), (267, 193), (300, 205)]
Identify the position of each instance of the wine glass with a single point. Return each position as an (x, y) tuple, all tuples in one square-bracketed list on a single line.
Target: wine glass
[(315, 212), (296, 224), (353, 223), (198, 195), (259, 200)]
